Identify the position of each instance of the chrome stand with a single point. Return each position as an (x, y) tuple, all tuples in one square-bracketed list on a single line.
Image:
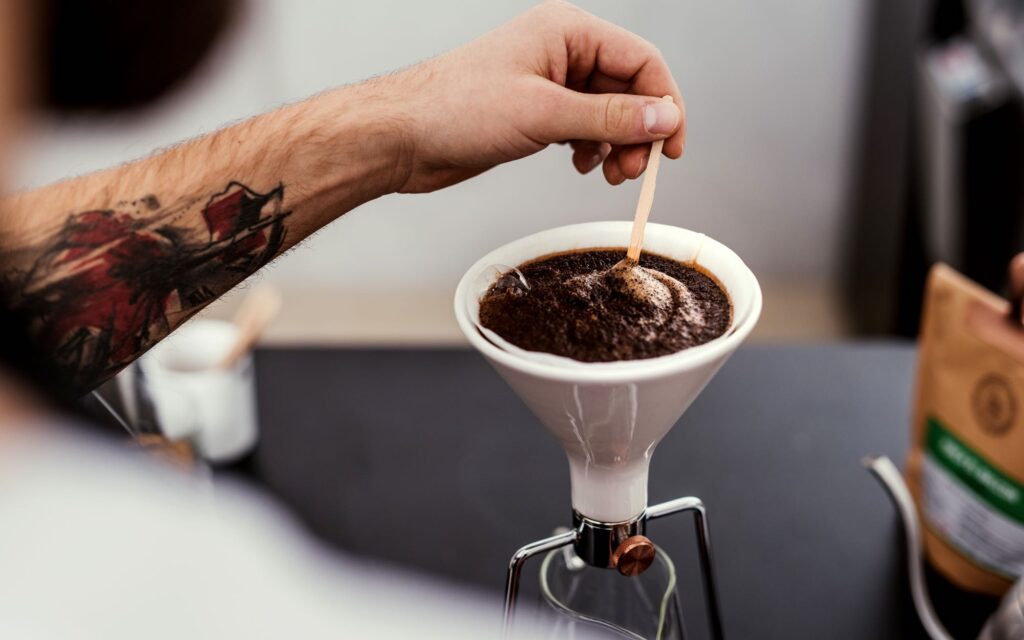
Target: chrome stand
[(622, 546)]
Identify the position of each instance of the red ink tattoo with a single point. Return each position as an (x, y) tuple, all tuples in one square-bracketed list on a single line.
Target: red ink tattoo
[(110, 284)]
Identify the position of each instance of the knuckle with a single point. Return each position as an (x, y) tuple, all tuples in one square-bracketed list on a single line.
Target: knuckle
[(560, 11), (561, 5), (616, 114), (649, 49), (551, 6)]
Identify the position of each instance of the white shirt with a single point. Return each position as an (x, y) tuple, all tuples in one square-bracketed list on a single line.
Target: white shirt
[(99, 542)]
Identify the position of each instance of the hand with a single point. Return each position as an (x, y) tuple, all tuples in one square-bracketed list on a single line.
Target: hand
[(553, 74)]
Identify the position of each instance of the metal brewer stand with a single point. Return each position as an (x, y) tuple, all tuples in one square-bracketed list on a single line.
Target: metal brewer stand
[(622, 546)]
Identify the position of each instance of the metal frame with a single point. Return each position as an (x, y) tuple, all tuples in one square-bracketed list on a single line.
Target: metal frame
[(584, 531)]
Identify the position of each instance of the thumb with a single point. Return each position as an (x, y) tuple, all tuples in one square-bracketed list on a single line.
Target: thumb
[(617, 118)]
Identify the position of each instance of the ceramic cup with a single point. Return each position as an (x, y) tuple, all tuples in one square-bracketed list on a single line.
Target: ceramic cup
[(193, 399), (610, 416)]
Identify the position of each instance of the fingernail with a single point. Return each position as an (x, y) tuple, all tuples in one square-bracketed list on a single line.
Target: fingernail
[(661, 118), (591, 162)]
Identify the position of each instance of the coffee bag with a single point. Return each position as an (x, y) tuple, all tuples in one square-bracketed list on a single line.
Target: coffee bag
[(966, 462)]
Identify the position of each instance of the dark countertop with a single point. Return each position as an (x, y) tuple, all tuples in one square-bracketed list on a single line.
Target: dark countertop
[(425, 458)]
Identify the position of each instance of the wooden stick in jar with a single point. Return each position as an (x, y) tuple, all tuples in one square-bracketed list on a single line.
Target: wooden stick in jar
[(258, 309)]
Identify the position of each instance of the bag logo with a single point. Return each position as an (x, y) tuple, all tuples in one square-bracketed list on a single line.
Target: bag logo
[(994, 403)]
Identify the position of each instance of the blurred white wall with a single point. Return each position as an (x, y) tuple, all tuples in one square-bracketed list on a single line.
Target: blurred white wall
[(769, 88)]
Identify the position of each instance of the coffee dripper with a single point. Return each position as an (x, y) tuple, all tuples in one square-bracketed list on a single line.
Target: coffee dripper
[(609, 417)]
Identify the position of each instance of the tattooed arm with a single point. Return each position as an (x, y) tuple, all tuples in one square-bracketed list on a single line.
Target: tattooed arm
[(105, 265)]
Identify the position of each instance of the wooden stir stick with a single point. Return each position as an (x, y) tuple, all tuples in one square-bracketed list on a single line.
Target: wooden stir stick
[(643, 205), (256, 312)]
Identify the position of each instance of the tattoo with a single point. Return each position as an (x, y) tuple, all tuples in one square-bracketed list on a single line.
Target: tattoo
[(110, 283)]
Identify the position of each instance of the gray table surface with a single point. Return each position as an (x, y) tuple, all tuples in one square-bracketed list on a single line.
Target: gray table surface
[(425, 458)]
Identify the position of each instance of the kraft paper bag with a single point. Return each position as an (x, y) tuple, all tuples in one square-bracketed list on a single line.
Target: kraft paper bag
[(966, 463)]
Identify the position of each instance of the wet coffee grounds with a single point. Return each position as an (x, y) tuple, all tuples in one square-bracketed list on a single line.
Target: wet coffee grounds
[(576, 305)]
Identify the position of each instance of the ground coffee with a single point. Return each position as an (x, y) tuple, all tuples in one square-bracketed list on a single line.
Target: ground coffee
[(589, 306)]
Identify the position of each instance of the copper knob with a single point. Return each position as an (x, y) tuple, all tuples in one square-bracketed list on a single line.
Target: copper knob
[(633, 555)]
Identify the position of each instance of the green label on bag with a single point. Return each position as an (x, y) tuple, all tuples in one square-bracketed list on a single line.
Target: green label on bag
[(1001, 492)]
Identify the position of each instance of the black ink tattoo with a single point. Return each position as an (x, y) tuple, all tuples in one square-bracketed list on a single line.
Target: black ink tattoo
[(110, 283)]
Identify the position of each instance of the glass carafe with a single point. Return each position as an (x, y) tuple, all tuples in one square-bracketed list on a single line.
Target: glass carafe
[(588, 599)]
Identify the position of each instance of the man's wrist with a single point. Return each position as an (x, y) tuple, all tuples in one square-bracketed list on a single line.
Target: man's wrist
[(369, 123)]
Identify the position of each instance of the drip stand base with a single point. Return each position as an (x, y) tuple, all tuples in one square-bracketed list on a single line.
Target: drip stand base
[(585, 533)]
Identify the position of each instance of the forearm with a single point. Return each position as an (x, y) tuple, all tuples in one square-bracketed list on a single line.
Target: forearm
[(105, 265)]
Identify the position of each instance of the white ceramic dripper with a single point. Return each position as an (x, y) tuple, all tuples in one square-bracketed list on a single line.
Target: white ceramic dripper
[(610, 416)]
